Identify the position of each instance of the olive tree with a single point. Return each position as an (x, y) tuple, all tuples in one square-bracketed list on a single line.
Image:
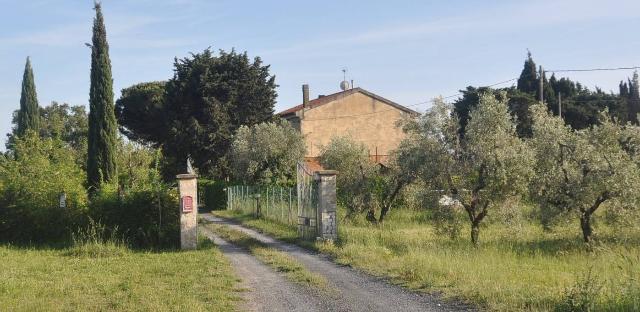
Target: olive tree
[(350, 158), (480, 170), (579, 172), (266, 153), (364, 185)]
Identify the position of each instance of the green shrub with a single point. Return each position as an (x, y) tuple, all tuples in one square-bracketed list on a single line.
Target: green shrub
[(213, 194), (148, 218), (32, 178)]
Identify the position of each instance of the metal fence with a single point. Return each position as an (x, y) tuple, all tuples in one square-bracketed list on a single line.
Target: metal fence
[(271, 202)]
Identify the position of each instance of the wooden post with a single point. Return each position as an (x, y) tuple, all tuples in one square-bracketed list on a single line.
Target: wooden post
[(541, 86), (560, 104)]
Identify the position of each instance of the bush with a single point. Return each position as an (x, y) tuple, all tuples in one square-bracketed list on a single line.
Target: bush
[(32, 178), (148, 218), (213, 194)]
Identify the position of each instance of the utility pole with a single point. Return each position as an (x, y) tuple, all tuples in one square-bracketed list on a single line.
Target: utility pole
[(541, 86), (560, 104)]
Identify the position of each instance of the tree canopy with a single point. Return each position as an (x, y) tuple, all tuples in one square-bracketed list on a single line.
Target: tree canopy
[(579, 172), (266, 153), (209, 97), (480, 170)]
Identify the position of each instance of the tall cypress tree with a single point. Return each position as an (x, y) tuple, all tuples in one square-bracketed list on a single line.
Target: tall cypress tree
[(633, 104), (528, 81), (29, 113), (101, 163)]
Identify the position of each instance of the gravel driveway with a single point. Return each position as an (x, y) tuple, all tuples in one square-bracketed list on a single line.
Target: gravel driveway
[(355, 290)]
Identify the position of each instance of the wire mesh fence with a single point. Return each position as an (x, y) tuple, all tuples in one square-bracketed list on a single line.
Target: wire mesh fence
[(271, 202)]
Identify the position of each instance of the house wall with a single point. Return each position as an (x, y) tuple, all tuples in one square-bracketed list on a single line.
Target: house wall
[(373, 123)]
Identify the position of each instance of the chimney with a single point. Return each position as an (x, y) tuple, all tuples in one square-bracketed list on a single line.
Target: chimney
[(305, 98), (305, 95)]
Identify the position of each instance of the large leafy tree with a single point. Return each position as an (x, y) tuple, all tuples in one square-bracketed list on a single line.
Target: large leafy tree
[(209, 97), (102, 140), (266, 153), (66, 123), (29, 113), (140, 112), (480, 170), (581, 172)]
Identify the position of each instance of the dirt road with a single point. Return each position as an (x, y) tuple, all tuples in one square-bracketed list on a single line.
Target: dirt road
[(355, 291)]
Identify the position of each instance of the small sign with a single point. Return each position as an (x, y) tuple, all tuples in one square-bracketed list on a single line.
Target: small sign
[(187, 204), (63, 200)]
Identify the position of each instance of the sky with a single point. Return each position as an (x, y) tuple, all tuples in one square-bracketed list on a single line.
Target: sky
[(406, 51)]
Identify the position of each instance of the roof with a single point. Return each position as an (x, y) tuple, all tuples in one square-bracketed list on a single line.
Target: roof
[(332, 97)]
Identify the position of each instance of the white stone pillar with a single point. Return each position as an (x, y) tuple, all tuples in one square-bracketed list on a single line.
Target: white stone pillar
[(188, 188), (327, 225)]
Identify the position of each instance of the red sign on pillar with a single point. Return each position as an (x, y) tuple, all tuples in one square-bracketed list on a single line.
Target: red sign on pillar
[(187, 204)]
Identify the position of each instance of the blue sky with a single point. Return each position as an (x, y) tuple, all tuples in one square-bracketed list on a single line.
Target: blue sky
[(407, 51)]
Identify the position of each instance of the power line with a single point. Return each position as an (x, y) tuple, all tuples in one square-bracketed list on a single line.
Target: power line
[(591, 69), (412, 105)]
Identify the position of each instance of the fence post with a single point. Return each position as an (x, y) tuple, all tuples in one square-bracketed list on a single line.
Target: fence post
[(289, 217), (326, 219), (188, 189)]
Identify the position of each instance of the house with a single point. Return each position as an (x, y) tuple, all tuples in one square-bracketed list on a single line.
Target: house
[(363, 115)]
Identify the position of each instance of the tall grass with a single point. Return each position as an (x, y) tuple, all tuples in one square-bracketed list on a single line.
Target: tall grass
[(97, 241), (518, 266)]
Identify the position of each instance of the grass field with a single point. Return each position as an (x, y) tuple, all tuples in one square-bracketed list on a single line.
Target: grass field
[(517, 267), (114, 278)]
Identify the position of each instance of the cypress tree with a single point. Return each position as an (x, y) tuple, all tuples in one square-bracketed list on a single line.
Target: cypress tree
[(633, 104), (528, 81), (29, 113), (101, 163)]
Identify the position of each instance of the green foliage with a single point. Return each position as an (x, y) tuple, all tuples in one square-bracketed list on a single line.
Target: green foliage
[(102, 134), (30, 186), (138, 166), (62, 122), (140, 112), (197, 112), (518, 102), (148, 218), (213, 194), (583, 296), (528, 81), (66, 123), (266, 153), (350, 158), (140, 207), (480, 170), (29, 114), (578, 172)]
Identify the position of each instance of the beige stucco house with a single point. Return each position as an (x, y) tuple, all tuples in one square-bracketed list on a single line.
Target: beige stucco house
[(365, 116)]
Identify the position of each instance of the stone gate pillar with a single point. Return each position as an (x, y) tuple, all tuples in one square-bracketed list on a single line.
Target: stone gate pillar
[(327, 224), (188, 188)]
